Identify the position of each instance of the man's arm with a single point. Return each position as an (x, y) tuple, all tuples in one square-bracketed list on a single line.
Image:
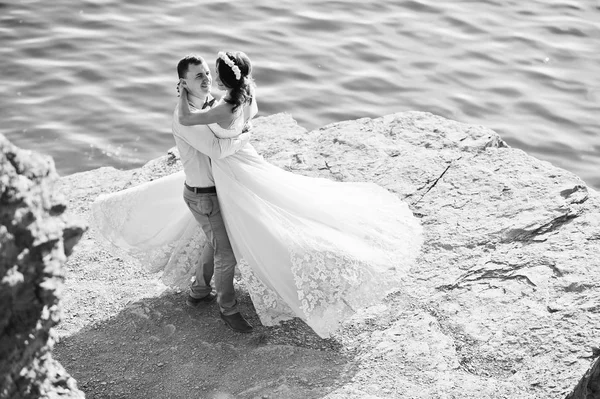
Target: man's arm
[(225, 147), (203, 140)]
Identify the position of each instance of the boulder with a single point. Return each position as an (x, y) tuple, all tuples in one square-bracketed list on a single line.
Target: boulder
[(503, 301), (35, 240)]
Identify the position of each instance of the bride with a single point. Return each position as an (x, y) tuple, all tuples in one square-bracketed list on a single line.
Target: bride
[(306, 247)]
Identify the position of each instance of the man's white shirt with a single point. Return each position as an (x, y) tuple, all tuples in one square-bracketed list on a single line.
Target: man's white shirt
[(197, 145)]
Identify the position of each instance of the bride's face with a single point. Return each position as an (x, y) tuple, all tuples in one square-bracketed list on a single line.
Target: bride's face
[(220, 84)]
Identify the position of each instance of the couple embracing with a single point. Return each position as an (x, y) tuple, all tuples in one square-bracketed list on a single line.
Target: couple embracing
[(305, 247)]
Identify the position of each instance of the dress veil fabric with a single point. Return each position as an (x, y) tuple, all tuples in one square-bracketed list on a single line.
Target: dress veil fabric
[(306, 247)]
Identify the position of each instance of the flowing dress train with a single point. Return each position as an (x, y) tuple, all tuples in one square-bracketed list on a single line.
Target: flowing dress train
[(306, 247)]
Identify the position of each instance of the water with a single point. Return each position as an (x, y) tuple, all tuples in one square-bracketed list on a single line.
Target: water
[(92, 82)]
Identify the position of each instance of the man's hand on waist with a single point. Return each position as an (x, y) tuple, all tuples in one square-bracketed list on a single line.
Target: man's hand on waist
[(244, 137), (247, 127)]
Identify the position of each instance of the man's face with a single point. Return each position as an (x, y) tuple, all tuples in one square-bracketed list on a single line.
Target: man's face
[(198, 81)]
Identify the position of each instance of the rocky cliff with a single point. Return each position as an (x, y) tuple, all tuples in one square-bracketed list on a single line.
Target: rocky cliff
[(35, 240), (503, 301)]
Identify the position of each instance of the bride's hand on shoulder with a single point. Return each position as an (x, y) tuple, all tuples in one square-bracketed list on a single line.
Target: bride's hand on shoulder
[(181, 88)]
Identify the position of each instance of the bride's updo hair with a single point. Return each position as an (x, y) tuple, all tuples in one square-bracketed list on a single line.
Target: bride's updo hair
[(243, 84)]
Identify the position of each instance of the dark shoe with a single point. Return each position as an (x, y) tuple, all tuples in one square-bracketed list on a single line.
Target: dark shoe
[(191, 301), (237, 322)]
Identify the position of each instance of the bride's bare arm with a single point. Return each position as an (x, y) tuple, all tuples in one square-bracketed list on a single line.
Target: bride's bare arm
[(220, 114)]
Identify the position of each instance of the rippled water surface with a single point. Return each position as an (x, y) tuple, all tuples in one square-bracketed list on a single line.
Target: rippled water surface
[(92, 83)]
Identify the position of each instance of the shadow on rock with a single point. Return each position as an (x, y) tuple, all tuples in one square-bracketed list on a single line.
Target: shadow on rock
[(161, 348)]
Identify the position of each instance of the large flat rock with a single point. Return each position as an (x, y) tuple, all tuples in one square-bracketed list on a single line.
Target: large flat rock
[(503, 301)]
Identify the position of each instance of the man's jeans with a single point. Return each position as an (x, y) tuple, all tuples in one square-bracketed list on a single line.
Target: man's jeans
[(217, 256)]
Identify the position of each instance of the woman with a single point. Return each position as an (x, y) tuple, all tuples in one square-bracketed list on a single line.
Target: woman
[(306, 247)]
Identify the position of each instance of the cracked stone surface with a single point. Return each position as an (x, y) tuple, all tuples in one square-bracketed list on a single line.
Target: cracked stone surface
[(503, 301)]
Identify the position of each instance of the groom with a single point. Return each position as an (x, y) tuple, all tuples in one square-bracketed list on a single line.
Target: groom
[(196, 145)]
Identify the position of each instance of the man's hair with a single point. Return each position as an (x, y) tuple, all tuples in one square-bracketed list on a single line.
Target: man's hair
[(184, 63)]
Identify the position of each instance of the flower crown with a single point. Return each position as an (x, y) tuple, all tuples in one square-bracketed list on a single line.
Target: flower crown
[(230, 64)]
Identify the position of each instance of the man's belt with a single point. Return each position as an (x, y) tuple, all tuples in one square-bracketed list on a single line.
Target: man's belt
[(201, 190)]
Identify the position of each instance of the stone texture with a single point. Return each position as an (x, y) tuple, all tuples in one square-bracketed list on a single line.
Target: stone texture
[(35, 240), (503, 301)]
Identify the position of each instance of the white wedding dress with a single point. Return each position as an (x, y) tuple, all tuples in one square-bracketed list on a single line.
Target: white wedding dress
[(306, 247)]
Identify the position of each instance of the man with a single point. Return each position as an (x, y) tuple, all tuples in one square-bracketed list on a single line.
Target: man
[(196, 145)]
